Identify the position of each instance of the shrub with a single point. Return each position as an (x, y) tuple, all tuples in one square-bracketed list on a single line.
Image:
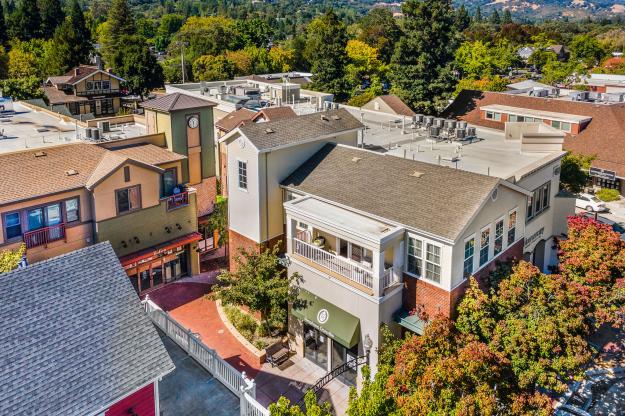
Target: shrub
[(608, 195), (244, 323)]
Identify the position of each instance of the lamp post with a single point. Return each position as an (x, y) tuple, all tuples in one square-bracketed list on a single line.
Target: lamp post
[(368, 344)]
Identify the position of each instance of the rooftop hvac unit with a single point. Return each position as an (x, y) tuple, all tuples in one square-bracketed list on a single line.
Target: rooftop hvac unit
[(579, 96), (88, 133), (439, 122), (542, 92), (96, 134), (471, 132), (336, 106), (327, 105), (613, 97), (429, 120), (461, 133), (450, 124), (435, 131), (462, 124), (105, 126), (419, 118), (594, 96)]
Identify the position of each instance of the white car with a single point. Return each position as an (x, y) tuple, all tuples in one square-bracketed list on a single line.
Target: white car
[(590, 203)]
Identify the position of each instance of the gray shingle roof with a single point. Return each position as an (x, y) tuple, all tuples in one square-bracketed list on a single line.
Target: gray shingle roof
[(176, 101), (299, 129), (441, 201), (74, 336)]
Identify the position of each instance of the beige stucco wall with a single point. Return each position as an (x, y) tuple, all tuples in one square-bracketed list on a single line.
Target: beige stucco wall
[(104, 193)]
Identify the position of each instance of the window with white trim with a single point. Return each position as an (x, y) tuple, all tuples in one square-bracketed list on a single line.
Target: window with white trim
[(491, 115), (498, 237), (469, 250), (511, 227), (484, 245), (539, 201), (242, 166), (433, 263), (415, 256)]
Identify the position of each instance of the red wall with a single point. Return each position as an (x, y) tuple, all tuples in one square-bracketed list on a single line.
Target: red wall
[(141, 402)]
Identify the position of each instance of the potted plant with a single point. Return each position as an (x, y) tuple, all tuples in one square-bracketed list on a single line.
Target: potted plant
[(319, 241)]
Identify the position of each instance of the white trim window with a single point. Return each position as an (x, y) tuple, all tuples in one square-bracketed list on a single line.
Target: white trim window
[(484, 245), (512, 226), (414, 264), (469, 251), (498, 237), (433, 263), (539, 201), (561, 125), (242, 171), (491, 115)]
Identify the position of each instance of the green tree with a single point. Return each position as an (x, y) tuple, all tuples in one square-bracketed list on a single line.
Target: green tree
[(282, 58), (421, 68), (22, 88), (283, 407), (587, 50), (212, 35), (494, 18), (260, 283), (4, 63), (69, 47), (10, 259), (170, 24), (119, 25), (25, 59), (80, 41), (213, 68), (134, 62), (463, 20), (52, 16), (218, 220), (364, 64), (507, 17), (254, 32), (379, 29), (477, 17), (26, 21), (3, 26), (326, 39), (574, 172), (541, 56)]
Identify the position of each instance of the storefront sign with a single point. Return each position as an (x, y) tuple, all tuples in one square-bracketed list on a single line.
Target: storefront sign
[(323, 316), (533, 238), (155, 255), (609, 175)]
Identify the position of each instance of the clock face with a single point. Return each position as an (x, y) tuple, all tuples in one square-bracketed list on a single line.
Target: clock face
[(193, 122)]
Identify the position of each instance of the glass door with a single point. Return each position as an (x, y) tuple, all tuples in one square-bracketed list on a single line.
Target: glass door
[(341, 355), (54, 217), (144, 280), (316, 346)]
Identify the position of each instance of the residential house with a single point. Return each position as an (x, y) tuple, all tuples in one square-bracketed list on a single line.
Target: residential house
[(260, 156), (561, 51), (525, 52), (591, 128), (76, 341), (389, 104), (85, 89), (67, 197), (238, 118)]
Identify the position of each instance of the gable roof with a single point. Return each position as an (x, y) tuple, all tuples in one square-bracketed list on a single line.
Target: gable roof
[(176, 102), (75, 337), (234, 119), (56, 96), (300, 129), (47, 173), (441, 201), (603, 136), (396, 104), (79, 73), (275, 113)]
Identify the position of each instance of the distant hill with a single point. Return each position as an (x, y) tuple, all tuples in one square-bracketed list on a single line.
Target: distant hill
[(551, 8)]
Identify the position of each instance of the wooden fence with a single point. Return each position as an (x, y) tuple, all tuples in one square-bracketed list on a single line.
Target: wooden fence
[(233, 379)]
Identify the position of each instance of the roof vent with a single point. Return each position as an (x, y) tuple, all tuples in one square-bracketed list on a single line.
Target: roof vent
[(416, 174), (324, 117), (356, 159), (269, 130), (71, 172), (40, 154), (335, 117)]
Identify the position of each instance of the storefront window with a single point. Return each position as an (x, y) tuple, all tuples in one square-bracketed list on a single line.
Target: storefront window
[(164, 270), (316, 346)]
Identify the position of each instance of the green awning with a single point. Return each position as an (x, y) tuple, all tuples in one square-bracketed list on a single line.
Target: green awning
[(410, 322), (333, 321)]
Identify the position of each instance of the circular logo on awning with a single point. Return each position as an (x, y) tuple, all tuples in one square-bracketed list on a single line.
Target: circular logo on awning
[(322, 316)]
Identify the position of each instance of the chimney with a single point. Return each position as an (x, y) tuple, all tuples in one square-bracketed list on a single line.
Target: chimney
[(77, 71), (98, 62)]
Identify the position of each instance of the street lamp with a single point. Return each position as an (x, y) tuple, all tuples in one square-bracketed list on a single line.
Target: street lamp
[(368, 344)]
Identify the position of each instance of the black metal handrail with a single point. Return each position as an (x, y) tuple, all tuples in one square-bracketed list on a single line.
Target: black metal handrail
[(349, 365)]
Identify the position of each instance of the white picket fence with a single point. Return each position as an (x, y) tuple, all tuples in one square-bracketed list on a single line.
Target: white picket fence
[(236, 381)]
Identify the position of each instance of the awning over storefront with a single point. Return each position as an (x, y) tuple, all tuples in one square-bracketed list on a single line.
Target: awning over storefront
[(339, 325), (159, 249), (410, 322)]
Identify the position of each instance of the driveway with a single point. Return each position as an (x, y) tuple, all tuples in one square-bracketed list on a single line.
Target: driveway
[(191, 391)]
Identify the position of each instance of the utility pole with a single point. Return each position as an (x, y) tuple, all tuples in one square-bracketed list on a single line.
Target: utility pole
[(182, 60)]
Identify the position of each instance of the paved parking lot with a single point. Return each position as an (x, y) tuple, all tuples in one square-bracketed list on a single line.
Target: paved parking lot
[(191, 391)]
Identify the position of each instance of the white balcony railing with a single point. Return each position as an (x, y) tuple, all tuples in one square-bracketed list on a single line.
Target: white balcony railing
[(333, 263), (389, 278)]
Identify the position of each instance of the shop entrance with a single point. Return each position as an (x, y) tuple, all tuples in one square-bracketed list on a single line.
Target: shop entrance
[(341, 355), (159, 271), (316, 346)]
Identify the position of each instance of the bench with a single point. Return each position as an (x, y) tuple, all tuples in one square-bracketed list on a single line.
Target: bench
[(278, 353)]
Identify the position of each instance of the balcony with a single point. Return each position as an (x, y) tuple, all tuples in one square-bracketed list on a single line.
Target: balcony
[(44, 236), (177, 201), (88, 93)]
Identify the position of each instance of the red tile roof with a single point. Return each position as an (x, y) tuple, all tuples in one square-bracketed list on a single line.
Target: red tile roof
[(603, 136)]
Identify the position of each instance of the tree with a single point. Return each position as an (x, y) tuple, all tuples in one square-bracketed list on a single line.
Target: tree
[(81, 42), (326, 40), (3, 26), (213, 68), (26, 22), (134, 62), (281, 58), (496, 84), (421, 68), (52, 16), (494, 18), (574, 172), (169, 25), (254, 32), (477, 17), (23, 62), (10, 259), (364, 65), (507, 17), (283, 407), (119, 25), (379, 29), (70, 45), (463, 20), (260, 283), (4, 63), (219, 220), (212, 35), (587, 50), (22, 88)]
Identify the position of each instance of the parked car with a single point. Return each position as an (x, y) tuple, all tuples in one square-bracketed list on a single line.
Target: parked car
[(590, 203), (617, 227)]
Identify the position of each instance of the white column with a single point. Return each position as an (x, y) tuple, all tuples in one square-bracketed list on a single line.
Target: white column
[(378, 272), (290, 234), (398, 259), (157, 405)]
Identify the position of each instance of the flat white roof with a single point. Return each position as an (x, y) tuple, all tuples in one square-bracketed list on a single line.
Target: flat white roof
[(341, 219), (551, 115)]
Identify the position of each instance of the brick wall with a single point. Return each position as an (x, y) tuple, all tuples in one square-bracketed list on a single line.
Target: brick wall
[(434, 300), (141, 402), (237, 241), (206, 195)]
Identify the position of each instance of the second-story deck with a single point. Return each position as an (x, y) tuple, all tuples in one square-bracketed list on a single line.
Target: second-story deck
[(361, 252)]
